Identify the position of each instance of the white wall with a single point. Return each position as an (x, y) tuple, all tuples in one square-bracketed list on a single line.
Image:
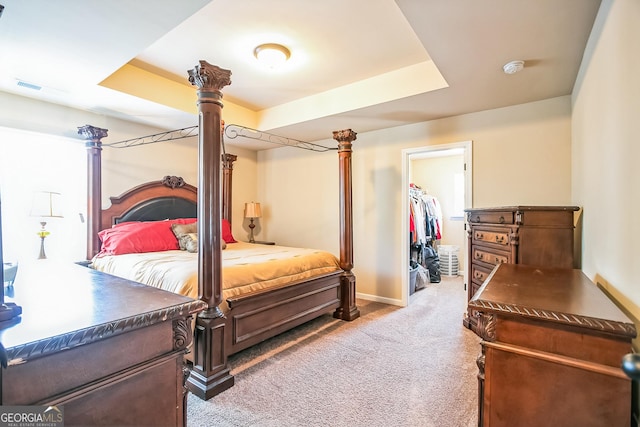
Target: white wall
[(521, 156), (606, 151)]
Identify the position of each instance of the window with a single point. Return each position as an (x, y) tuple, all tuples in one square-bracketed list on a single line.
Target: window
[(31, 162)]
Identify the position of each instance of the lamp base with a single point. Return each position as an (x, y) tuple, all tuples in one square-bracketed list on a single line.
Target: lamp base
[(251, 227), (42, 233), (42, 254)]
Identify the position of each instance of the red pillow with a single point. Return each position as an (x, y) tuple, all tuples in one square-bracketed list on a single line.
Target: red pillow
[(135, 237), (226, 232)]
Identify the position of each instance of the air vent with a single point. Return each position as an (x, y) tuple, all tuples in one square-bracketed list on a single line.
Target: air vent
[(29, 85)]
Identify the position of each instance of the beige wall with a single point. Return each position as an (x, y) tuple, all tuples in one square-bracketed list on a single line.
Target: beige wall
[(606, 151), (521, 155)]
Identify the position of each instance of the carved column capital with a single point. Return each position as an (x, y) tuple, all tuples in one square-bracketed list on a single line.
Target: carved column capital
[(228, 159), (344, 137), (211, 77), (92, 134)]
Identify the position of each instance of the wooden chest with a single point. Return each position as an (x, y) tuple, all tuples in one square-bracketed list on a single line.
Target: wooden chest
[(552, 349), (533, 235), (109, 350)]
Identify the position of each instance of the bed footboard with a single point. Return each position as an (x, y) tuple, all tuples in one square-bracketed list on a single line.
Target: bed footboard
[(256, 317)]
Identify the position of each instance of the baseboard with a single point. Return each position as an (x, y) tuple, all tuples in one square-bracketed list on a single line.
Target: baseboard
[(376, 298)]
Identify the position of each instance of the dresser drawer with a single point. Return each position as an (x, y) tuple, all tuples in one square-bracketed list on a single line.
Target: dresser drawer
[(491, 217), (479, 273), (498, 236), (490, 256)]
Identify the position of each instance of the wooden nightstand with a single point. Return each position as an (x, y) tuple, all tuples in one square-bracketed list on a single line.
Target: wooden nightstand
[(258, 242)]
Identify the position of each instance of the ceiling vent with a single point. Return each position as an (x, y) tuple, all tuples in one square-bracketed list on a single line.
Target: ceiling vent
[(29, 85)]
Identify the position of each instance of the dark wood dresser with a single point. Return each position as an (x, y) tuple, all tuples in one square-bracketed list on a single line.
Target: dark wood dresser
[(552, 350), (108, 350), (534, 235)]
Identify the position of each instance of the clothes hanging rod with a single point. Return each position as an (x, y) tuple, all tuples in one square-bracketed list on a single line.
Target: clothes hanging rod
[(231, 131)]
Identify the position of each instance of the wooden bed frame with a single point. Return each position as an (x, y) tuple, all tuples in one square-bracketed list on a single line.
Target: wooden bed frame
[(250, 318)]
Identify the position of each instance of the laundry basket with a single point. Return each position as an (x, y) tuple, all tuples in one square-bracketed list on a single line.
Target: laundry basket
[(413, 275), (449, 264)]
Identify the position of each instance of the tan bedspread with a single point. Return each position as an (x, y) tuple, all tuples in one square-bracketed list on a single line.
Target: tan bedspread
[(246, 268)]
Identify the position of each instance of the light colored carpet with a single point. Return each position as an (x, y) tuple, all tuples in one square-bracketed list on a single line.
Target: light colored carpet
[(393, 366)]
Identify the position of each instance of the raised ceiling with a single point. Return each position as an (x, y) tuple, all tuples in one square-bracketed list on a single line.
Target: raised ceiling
[(360, 64)]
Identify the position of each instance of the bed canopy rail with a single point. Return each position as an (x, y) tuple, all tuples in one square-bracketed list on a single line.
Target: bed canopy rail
[(231, 131)]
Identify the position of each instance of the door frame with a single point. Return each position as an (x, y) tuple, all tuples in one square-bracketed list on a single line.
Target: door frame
[(409, 154)]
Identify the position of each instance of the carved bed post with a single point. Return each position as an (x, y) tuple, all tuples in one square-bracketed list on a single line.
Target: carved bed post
[(347, 309), (93, 136), (227, 178), (210, 374)]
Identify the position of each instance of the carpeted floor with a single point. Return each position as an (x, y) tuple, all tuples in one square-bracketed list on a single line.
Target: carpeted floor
[(393, 366)]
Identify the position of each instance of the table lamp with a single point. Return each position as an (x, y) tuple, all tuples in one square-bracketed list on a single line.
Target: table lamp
[(252, 210), (46, 204)]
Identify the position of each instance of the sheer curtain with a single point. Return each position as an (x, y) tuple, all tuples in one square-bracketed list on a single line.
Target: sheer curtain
[(31, 162)]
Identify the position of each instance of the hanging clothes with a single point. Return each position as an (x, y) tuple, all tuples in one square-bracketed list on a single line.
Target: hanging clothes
[(425, 227)]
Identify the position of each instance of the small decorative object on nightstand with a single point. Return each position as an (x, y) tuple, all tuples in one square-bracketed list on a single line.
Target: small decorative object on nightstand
[(46, 204), (252, 210)]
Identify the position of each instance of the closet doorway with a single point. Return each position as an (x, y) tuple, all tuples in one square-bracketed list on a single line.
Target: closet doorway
[(445, 172)]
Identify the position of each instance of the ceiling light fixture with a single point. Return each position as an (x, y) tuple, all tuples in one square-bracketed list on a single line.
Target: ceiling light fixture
[(271, 55), (513, 67)]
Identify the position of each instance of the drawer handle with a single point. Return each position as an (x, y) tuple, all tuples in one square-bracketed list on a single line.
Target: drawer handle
[(499, 239), (477, 218), (478, 255), (479, 236), (479, 275), (501, 220)]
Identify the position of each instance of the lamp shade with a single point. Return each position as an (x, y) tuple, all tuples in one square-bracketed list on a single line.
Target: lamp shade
[(252, 210), (46, 204)]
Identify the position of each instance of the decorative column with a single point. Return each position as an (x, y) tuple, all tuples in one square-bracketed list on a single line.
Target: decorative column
[(227, 175), (210, 374), (93, 143), (347, 309)]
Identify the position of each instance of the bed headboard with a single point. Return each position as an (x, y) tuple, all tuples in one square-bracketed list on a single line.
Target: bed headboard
[(168, 198)]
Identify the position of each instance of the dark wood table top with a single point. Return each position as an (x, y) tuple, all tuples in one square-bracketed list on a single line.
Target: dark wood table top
[(558, 295), (525, 208), (65, 305)]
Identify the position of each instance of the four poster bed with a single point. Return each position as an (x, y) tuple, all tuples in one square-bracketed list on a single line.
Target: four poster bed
[(237, 316)]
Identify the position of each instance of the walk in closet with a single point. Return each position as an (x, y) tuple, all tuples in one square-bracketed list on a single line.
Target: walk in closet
[(425, 230)]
